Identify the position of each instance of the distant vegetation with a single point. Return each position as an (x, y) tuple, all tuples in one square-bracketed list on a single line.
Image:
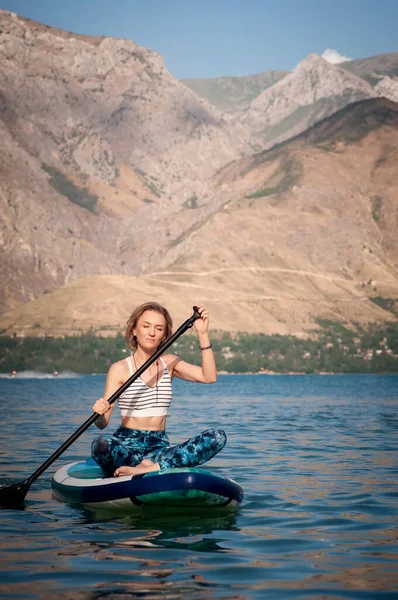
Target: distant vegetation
[(335, 349), (377, 207), (373, 81), (352, 123), (274, 131), (192, 202), (67, 188), (287, 175), (389, 304), (269, 191)]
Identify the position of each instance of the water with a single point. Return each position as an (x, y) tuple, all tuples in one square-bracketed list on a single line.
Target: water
[(315, 455)]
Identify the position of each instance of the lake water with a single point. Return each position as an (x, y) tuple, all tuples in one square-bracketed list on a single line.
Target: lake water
[(317, 459)]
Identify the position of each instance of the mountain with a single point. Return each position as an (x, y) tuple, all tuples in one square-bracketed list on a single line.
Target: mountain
[(308, 229), (234, 94), (112, 169), (380, 71), (312, 92), (98, 142), (79, 94), (276, 105), (304, 231), (373, 68)]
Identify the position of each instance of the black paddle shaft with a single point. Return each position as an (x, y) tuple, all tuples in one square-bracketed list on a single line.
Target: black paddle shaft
[(14, 495)]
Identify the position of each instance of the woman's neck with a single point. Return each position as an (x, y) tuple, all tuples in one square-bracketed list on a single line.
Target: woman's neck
[(142, 356)]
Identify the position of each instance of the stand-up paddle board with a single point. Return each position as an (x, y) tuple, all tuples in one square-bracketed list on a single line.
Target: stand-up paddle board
[(85, 483)]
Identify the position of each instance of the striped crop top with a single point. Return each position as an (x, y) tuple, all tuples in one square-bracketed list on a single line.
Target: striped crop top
[(142, 400)]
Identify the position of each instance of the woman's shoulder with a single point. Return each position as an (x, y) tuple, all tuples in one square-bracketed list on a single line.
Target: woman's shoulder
[(170, 360), (119, 368)]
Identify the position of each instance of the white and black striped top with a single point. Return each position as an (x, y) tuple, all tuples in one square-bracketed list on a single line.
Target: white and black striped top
[(142, 400)]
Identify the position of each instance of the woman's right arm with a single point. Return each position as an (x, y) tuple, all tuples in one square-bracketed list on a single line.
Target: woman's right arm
[(114, 380)]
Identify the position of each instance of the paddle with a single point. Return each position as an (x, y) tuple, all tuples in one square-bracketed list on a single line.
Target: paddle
[(13, 496)]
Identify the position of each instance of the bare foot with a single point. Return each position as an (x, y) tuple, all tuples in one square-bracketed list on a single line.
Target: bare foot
[(145, 466)]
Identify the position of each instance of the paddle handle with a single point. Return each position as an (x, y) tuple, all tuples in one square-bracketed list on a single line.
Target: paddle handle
[(186, 325)]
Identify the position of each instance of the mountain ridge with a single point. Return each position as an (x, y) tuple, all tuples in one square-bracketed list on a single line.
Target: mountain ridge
[(262, 260), (111, 167), (372, 69)]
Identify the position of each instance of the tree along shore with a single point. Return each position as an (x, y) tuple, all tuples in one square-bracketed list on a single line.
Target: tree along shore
[(334, 349)]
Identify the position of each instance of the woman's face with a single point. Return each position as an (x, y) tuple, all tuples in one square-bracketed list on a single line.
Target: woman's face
[(150, 330)]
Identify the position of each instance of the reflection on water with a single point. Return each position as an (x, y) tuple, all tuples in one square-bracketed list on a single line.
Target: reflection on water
[(316, 456)]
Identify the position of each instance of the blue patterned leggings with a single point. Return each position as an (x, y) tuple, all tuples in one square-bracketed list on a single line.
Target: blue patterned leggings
[(130, 446)]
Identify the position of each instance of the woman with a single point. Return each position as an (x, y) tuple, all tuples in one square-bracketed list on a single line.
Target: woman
[(141, 444)]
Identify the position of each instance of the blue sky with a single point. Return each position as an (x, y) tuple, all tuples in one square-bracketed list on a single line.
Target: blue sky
[(211, 38)]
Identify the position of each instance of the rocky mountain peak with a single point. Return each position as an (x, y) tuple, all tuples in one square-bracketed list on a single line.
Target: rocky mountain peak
[(310, 61), (315, 89), (28, 43)]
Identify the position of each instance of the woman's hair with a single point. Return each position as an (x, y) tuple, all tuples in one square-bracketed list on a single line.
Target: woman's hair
[(135, 315)]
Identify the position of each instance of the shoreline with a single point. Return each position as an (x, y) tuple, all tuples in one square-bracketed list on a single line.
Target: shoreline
[(30, 374)]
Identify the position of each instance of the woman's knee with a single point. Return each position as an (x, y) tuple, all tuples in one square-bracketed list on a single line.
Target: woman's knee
[(218, 438), (100, 446), (221, 437)]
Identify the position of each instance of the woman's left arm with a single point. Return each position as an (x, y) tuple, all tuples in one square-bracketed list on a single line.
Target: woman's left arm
[(207, 373)]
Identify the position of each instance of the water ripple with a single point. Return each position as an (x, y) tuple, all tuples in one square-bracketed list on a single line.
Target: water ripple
[(316, 456)]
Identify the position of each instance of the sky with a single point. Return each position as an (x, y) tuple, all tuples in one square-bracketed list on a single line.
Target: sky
[(214, 38)]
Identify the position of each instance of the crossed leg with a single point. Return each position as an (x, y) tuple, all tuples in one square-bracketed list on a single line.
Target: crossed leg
[(193, 452), (109, 452)]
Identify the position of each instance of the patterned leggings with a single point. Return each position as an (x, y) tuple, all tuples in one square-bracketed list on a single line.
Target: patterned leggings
[(130, 446)]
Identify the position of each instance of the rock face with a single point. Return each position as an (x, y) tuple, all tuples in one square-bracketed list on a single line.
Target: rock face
[(388, 88), (100, 143), (110, 167), (110, 95), (313, 91)]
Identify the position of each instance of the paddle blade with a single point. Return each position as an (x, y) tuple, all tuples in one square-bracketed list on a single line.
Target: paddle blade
[(13, 496)]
